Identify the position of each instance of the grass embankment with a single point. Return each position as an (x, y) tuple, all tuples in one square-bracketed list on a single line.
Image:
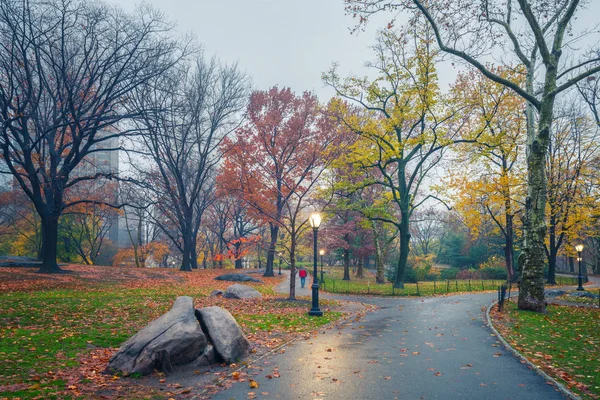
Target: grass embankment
[(565, 343), (333, 283), (57, 332)]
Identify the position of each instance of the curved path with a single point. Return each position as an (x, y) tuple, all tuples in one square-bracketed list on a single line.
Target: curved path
[(431, 348)]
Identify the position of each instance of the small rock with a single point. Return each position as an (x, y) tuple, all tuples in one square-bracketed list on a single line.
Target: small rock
[(238, 291), (584, 294), (237, 278), (554, 293), (216, 293)]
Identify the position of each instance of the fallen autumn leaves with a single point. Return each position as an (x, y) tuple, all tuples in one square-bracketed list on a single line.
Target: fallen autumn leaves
[(563, 343), (57, 332)]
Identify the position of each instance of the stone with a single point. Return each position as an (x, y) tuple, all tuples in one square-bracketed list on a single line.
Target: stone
[(237, 278), (175, 338), (224, 333), (554, 293), (216, 293), (238, 291), (584, 294)]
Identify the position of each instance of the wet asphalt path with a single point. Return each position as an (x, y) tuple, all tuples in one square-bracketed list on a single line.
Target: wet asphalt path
[(433, 348)]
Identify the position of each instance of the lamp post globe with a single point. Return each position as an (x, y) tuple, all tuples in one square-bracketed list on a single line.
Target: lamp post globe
[(579, 249), (315, 222)]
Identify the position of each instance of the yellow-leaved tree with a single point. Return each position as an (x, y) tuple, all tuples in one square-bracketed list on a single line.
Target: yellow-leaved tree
[(487, 181), (402, 125)]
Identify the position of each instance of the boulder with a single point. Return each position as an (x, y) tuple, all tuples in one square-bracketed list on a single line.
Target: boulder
[(584, 294), (175, 338), (238, 291), (237, 278), (554, 293), (229, 342)]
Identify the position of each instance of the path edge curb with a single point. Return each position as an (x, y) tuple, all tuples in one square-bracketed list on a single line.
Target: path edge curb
[(566, 392)]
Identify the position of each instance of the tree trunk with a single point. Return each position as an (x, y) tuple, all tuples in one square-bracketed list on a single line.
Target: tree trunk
[(193, 251), (359, 270), (186, 264), (239, 264), (49, 243), (509, 242), (185, 261), (572, 264), (347, 258), (269, 271), (531, 286), (293, 268), (380, 267), (404, 249), (552, 265)]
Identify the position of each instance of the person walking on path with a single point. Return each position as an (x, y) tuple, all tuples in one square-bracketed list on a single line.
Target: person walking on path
[(302, 273)]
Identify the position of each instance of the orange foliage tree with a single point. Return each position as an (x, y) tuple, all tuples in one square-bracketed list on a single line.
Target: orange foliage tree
[(274, 161)]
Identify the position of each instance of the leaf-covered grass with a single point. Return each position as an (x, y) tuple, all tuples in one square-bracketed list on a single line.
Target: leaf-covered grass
[(57, 332), (565, 343)]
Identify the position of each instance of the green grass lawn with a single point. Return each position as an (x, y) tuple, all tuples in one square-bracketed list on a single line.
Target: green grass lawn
[(45, 335), (565, 343), (333, 283)]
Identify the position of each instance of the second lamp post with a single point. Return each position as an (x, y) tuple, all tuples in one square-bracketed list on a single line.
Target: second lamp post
[(579, 249), (315, 222)]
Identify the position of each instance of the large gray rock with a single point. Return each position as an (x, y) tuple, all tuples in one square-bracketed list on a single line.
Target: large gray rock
[(584, 294), (238, 291), (224, 333), (554, 293), (237, 278), (175, 338)]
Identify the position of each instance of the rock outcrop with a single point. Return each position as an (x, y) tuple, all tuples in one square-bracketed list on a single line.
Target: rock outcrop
[(175, 338)]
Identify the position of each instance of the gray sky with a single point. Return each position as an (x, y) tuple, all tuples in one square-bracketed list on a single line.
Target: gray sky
[(290, 42), (283, 42)]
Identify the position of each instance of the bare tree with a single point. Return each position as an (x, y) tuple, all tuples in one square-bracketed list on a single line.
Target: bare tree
[(66, 70), (185, 116), (573, 151), (541, 36)]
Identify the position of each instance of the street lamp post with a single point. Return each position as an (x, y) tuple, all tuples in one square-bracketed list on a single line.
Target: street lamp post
[(315, 222), (579, 249), (322, 253)]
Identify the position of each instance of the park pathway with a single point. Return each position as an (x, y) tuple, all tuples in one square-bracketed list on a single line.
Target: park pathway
[(430, 348)]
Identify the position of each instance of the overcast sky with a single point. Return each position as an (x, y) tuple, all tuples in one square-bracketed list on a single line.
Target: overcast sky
[(283, 42), (289, 42)]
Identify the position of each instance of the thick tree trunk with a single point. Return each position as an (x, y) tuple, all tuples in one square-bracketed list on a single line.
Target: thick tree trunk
[(239, 264), (531, 286), (404, 249), (188, 254), (49, 243), (269, 271)]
